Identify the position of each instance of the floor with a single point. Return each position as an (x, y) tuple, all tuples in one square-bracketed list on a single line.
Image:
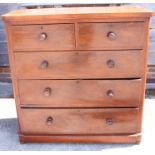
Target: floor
[(9, 137)]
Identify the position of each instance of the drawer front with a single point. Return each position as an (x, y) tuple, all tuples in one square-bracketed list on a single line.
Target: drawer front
[(80, 93), (79, 121), (73, 65), (43, 37), (130, 35)]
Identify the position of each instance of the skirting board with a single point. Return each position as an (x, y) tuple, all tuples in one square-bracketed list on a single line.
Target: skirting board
[(135, 138)]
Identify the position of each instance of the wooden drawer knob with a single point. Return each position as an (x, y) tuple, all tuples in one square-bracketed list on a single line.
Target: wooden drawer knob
[(44, 64), (111, 35), (110, 93), (49, 120), (47, 91), (42, 36), (111, 63), (109, 121)]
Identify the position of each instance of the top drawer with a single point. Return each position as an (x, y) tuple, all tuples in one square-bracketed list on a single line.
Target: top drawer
[(100, 36), (43, 37)]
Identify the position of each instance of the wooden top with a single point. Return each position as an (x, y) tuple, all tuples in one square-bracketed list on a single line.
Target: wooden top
[(78, 12)]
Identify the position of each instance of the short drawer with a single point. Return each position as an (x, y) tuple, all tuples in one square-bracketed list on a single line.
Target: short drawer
[(128, 35), (83, 65), (43, 37), (80, 93), (79, 121)]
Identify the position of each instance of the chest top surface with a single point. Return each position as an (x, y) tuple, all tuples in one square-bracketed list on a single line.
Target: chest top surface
[(78, 12)]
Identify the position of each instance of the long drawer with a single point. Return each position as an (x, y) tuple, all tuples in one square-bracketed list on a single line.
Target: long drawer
[(43, 37), (127, 35), (79, 121), (83, 65), (80, 93)]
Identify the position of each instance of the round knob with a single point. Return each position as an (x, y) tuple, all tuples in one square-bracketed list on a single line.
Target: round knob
[(49, 120), (44, 64), (111, 35), (109, 121), (42, 36), (47, 91), (110, 93), (111, 63)]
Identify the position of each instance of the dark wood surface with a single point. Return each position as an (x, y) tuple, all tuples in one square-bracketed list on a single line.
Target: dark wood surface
[(79, 65), (80, 93), (79, 121), (97, 35), (134, 138), (84, 68), (57, 37)]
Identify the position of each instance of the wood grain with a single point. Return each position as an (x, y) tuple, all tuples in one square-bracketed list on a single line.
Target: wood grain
[(79, 121), (124, 138), (74, 65), (59, 37), (95, 36), (77, 12), (80, 93), (74, 58)]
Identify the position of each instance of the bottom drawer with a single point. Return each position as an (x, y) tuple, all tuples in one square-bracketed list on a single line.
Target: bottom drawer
[(79, 121)]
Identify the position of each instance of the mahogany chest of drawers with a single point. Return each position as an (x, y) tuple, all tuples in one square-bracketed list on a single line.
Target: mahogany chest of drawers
[(79, 73)]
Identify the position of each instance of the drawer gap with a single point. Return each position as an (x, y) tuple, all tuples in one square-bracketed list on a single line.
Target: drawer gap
[(107, 134), (80, 50), (37, 107), (135, 78)]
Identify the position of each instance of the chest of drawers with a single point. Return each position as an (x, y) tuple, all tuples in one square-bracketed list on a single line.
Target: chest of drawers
[(79, 73)]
